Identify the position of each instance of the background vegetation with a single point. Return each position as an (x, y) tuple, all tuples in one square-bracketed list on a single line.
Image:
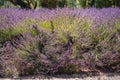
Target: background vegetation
[(60, 3)]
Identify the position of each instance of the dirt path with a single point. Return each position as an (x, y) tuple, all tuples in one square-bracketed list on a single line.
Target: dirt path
[(82, 76)]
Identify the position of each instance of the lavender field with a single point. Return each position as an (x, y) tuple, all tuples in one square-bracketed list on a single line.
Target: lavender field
[(59, 41)]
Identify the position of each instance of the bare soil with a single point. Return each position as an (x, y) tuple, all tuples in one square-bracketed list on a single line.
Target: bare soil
[(81, 76)]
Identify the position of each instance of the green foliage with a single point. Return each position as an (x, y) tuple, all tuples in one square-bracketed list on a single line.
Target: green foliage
[(49, 3), (7, 34), (33, 4), (72, 3), (29, 4), (6, 4), (99, 3), (1, 2), (69, 69)]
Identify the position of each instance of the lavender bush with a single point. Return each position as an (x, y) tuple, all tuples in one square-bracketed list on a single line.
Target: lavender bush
[(59, 41)]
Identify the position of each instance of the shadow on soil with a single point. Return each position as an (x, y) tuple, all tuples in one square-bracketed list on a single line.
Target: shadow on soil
[(81, 75)]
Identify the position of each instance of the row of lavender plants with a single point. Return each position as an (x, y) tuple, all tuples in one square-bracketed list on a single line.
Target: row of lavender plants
[(59, 41)]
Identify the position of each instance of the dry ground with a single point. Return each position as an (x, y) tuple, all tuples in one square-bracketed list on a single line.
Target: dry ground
[(82, 76)]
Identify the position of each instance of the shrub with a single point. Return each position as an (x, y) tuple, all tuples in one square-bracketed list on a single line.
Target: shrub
[(59, 41)]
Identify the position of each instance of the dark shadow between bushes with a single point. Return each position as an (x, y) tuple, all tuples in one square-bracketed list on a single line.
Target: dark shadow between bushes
[(81, 75)]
